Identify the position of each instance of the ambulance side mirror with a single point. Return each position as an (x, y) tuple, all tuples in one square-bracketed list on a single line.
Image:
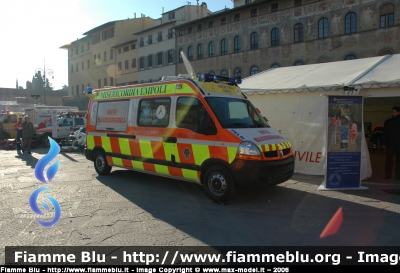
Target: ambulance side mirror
[(207, 126)]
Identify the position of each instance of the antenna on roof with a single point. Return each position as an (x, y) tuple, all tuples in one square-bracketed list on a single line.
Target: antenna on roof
[(188, 66)]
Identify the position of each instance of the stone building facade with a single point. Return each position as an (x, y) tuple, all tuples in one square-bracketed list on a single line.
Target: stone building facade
[(24, 96), (257, 36)]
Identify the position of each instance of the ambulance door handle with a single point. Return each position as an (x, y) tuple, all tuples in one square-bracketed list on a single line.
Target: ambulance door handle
[(170, 139)]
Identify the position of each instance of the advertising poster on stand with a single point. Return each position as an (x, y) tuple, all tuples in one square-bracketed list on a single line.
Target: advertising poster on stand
[(344, 137)]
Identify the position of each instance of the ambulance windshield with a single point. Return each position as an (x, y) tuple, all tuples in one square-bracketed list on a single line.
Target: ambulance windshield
[(236, 113)]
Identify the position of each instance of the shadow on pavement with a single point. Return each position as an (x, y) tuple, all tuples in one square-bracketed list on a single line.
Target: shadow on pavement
[(275, 216)]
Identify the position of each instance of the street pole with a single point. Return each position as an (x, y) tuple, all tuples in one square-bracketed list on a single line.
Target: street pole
[(44, 78)]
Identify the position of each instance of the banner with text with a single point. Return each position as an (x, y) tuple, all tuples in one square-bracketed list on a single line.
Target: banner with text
[(344, 131)]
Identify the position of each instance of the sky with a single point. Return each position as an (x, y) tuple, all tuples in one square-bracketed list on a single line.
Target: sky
[(32, 31)]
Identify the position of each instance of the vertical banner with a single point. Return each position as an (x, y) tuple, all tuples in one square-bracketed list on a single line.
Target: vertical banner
[(344, 142), (54, 123)]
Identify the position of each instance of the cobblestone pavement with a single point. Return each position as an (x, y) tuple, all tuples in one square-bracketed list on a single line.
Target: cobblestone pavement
[(135, 209)]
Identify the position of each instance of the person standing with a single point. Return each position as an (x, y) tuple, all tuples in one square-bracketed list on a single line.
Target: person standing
[(18, 128), (391, 143), (27, 134)]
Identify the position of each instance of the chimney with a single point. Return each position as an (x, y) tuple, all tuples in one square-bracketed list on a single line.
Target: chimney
[(134, 15), (162, 10)]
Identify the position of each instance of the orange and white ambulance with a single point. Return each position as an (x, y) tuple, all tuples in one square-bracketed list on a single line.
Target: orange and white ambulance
[(199, 129)]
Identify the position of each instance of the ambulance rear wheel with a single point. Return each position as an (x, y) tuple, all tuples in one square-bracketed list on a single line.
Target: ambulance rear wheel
[(45, 141), (219, 184), (100, 163)]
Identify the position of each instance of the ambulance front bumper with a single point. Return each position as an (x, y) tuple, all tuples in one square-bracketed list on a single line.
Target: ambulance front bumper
[(259, 174)]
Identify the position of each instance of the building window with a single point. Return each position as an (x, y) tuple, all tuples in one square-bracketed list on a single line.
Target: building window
[(254, 40), (111, 81), (274, 7), (171, 15), (350, 57), (83, 65), (159, 58), (159, 36), (247, 2), (253, 70), (150, 60), (150, 39), (298, 33), (190, 53), (200, 52), (351, 23), (298, 3), (275, 37), (133, 46), (180, 56), (170, 56), (105, 55), (210, 24), (224, 73), (253, 12), (99, 83), (237, 44), (169, 35), (298, 63), (82, 49), (224, 47), (181, 32), (141, 62), (126, 65), (141, 41), (126, 48), (275, 65), (88, 64), (119, 66), (119, 50), (211, 49), (323, 28), (189, 30), (83, 87), (237, 73), (105, 81), (111, 54), (236, 17), (223, 20), (199, 27), (76, 67), (387, 15), (77, 90), (133, 65)]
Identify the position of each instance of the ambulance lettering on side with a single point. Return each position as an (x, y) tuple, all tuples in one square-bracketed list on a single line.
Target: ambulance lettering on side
[(200, 129)]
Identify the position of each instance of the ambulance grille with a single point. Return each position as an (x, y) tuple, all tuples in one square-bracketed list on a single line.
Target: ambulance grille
[(270, 154), (286, 151)]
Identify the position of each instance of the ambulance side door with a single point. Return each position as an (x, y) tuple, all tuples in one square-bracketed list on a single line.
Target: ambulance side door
[(192, 147)]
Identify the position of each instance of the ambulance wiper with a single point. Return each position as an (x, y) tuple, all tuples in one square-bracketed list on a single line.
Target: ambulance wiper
[(240, 124)]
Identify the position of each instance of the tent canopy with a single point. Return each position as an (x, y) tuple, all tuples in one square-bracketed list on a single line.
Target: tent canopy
[(376, 72)]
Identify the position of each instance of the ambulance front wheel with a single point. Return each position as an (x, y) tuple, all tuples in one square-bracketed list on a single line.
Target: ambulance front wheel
[(219, 184), (100, 163)]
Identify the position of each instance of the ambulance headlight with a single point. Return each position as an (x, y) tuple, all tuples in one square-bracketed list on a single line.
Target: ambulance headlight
[(248, 148)]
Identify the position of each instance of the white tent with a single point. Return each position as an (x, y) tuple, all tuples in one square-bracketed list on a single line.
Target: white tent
[(293, 99)]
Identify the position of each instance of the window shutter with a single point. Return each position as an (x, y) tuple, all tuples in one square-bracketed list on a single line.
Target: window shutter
[(166, 57)]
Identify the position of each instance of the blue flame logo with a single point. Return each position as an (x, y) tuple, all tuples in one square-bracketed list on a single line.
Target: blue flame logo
[(35, 208), (39, 174), (42, 163)]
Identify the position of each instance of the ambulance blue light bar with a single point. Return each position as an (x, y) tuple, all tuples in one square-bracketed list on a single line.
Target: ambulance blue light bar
[(212, 77), (89, 90)]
